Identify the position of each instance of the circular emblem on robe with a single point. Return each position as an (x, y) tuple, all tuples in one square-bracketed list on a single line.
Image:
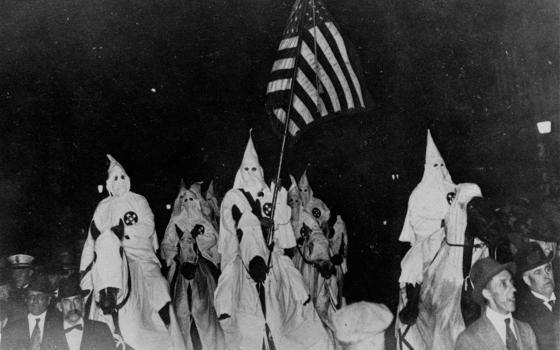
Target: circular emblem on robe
[(267, 209), (130, 218), (450, 197), (199, 229), (316, 213)]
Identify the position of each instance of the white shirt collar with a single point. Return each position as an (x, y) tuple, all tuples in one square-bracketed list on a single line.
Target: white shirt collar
[(31, 317), (68, 325), (32, 321), (543, 298), (498, 320), (74, 337)]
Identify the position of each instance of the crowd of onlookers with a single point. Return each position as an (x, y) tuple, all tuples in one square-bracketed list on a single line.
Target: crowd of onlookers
[(42, 307)]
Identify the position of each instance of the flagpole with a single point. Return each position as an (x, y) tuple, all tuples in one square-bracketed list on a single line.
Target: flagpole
[(270, 240)]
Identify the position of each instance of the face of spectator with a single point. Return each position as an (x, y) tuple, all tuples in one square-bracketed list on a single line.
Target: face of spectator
[(37, 302), (540, 279), (72, 308), (500, 293), (21, 276)]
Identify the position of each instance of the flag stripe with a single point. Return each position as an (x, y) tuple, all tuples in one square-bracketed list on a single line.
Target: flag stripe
[(310, 72), (281, 115), (344, 53), (313, 69), (329, 55), (309, 57), (311, 92), (302, 109), (327, 70), (329, 37), (286, 63), (305, 99), (288, 43), (278, 85)]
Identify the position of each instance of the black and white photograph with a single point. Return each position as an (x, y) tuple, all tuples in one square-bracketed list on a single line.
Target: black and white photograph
[(279, 175)]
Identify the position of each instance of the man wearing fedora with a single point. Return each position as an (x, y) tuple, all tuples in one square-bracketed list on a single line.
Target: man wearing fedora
[(74, 332), (537, 306), (29, 333), (496, 329)]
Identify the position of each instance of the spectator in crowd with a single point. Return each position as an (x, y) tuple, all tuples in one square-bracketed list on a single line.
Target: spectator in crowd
[(21, 270), (73, 331), (28, 333), (496, 328), (537, 306)]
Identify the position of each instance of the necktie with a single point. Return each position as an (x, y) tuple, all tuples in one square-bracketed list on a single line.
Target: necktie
[(78, 327), (36, 336), (551, 303), (511, 342)]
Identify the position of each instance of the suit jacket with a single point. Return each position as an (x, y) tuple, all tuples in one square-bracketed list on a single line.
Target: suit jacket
[(545, 323), (16, 334), (483, 335), (96, 336)]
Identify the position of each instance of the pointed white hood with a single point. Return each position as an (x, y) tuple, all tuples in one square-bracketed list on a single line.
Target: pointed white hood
[(306, 193), (436, 174), (118, 182), (250, 175), (177, 205)]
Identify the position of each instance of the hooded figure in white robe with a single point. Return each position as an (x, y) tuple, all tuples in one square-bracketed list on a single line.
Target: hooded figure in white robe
[(312, 204), (190, 244), (262, 308), (214, 204), (196, 188), (140, 244), (250, 193), (427, 206), (313, 260), (294, 201), (339, 252), (177, 204)]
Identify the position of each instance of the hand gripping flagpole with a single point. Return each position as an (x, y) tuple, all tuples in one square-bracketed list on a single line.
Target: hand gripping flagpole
[(277, 185)]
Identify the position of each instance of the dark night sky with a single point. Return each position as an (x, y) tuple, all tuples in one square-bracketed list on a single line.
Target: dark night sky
[(171, 87)]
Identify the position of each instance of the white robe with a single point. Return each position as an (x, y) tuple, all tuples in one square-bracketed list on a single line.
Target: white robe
[(140, 244), (292, 319), (207, 242), (427, 208), (228, 244), (202, 285)]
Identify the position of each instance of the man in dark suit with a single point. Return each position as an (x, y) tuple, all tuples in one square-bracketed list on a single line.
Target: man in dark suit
[(537, 306), (496, 329), (73, 332), (29, 333)]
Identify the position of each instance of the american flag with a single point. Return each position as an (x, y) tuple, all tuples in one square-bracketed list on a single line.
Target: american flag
[(314, 58)]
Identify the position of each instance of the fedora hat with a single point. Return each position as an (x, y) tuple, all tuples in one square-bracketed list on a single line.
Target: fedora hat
[(483, 271), (70, 287), (530, 257), (39, 283), (542, 229)]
